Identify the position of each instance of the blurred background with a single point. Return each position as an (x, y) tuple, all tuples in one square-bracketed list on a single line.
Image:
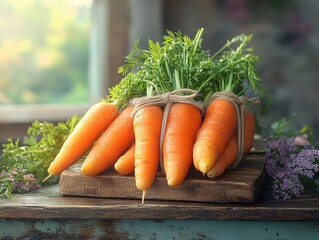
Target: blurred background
[(58, 57)]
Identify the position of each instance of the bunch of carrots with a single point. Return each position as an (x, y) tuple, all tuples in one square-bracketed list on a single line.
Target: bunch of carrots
[(114, 133)]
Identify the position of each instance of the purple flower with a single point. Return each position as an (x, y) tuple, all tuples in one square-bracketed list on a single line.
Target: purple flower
[(302, 141), (305, 162), (26, 184), (287, 160), (285, 186), (19, 180)]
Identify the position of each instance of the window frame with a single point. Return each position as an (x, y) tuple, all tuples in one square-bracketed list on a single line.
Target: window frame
[(97, 70), (112, 34)]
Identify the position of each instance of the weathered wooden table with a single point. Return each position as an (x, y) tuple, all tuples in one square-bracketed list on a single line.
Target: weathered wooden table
[(45, 214)]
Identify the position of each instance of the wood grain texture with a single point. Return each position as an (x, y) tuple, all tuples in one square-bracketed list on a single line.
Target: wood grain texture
[(47, 203), (243, 185)]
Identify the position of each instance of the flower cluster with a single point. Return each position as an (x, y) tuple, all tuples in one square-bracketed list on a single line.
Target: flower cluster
[(288, 161), (17, 180)]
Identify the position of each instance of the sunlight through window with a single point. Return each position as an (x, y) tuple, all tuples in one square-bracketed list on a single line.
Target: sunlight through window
[(44, 51)]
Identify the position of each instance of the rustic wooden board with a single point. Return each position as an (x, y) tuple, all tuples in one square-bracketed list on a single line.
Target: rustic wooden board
[(47, 203), (242, 185)]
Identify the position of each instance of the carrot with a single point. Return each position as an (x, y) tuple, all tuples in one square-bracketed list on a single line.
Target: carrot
[(230, 153), (217, 128), (112, 144), (125, 164), (147, 129), (183, 122), (88, 129)]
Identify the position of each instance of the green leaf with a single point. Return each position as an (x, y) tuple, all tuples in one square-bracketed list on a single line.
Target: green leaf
[(308, 183), (286, 127), (41, 144)]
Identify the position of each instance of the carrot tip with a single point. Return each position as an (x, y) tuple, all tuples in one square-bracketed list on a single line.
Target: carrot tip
[(172, 183), (212, 174), (47, 178), (204, 168), (143, 196)]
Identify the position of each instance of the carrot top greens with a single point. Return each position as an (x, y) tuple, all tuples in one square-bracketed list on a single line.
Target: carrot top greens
[(180, 62)]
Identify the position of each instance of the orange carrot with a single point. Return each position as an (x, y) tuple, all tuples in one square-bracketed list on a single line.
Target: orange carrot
[(218, 127), (147, 129), (88, 129), (125, 164), (183, 122), (112, 144), (230, 153)]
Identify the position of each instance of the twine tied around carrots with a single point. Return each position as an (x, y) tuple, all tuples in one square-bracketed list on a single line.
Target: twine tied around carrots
[(175, 96), (167, 99), (187, 96), (239, 104)]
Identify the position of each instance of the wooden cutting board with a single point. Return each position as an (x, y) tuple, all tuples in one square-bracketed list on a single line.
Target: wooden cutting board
[(242, 185)]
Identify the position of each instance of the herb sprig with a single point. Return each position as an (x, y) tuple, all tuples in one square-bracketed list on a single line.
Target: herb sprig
[(24, 164)]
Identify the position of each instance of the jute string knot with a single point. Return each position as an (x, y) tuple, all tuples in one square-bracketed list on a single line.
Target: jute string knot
[(239, 104), (175, 96), (167, 99)]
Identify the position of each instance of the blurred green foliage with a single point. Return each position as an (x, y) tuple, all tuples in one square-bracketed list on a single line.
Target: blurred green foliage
[(44, 51)]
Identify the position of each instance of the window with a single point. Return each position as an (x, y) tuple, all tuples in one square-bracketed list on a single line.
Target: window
[(110, 28), (45, 51)]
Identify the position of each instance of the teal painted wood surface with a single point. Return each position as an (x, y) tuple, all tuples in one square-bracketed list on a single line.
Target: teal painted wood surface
[(152, 229)]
